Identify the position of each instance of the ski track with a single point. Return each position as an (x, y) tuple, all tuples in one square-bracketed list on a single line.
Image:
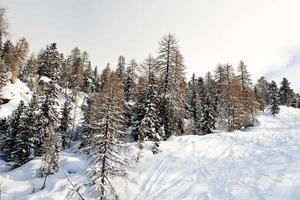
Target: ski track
[(260, 163)]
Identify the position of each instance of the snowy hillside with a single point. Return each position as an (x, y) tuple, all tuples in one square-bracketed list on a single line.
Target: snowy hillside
[(262, 163), (15, 93)]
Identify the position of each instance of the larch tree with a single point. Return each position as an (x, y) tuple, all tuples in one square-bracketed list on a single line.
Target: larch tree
[(171, 88), (104, 77), (3, 27), (107, 138)]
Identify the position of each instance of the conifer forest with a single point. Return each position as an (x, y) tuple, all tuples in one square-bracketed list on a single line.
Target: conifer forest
[(120, 120)]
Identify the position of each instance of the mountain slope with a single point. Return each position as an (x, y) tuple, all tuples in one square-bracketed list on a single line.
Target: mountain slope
[(261, 163)]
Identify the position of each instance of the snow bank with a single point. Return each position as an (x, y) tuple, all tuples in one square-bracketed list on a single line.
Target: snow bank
[(15, 92)]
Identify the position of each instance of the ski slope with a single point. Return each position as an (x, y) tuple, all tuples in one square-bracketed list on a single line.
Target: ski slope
[(261, 163)]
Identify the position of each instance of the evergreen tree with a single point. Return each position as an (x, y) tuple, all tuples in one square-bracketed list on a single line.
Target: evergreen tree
[(120, 70), (96, 79), (274, 98), (24, 149), (130, 79), (4, 125), (149, 127), (49, 62), (88, 82), (221, 95), (285, 93), (3, 76), (86, 130), (194, 106), (208, 119), (65, 121), (10, 142), (51, 140), (262, 88)]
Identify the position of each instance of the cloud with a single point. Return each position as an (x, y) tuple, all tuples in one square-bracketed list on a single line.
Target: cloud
[(264, 34), (291, 71)]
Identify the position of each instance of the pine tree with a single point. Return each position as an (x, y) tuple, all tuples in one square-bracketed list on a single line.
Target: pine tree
[(274, 98), (65, 121), (149, 127), (10, 142), (120, 70), (130, 81), (107, 138), (25, 141), (88, 82), (51, 140), (208, 119), (49, 62), (210, 93), (262, 87), (285, 93), (195, 107), (96, 79), (4, 132), (86, 130), (3, 76), (221, 95)]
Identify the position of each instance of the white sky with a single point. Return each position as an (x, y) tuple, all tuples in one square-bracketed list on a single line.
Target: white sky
[(263, 33)]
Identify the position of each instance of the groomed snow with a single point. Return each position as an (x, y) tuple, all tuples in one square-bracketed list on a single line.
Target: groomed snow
[(261, 163)]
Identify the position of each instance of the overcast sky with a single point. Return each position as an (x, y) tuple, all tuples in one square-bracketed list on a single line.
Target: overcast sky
[(263, 33)]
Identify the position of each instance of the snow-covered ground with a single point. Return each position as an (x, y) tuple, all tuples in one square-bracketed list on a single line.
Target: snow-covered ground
[(261, 163), (15, 93)]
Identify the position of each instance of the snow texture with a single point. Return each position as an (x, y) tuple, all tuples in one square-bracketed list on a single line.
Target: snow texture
[(260, 163), (15, 93)]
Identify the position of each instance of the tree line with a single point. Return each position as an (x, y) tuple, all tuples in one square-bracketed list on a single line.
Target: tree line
[(151, 101)]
